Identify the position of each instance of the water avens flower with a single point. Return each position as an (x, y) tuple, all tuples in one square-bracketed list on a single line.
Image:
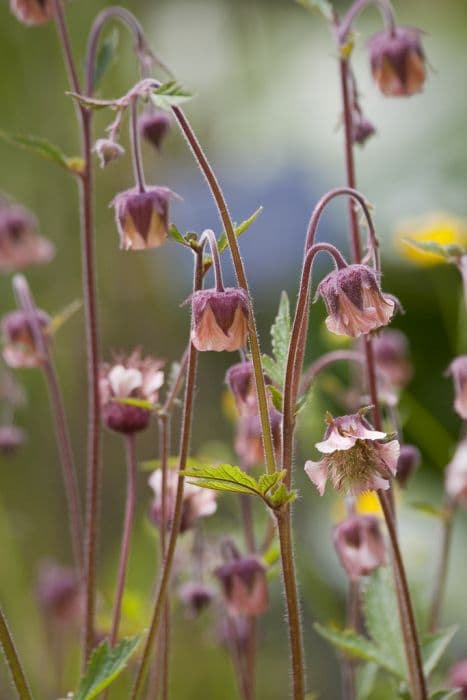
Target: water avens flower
[(196, 596), (240, 378), (32, 12), (390, 348), (458, 371), (356, 459), (142, 217), (220, 319), (21, 244), (197, 502), (154, 127), (11, 439), (354, 301), (398, 61), (408, 462), (359, 545), (456, 475), (19, 343), (130, 378), (249, 441), (59, 593), (107, 151), (458, 677), (244, 585)]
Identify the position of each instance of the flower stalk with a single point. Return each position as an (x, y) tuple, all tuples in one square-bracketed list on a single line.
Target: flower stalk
[(13, 661)]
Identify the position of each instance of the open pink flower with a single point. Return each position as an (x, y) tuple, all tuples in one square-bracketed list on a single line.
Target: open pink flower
[(359, 544), (398, 61), (357, 458), (354, 301), (220, 319), (458, 371)]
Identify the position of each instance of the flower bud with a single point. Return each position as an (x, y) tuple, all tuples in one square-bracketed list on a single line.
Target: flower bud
[(196, 597), (249, 441), (58, 592), (390, 350), (362, 129), (357, 458), (409, 460), (32, 12), (197, 502), (11, 438), (154, 127), (20, 242), (354, 301), (133, 378), (359, 545), (458, 677), (220, 319), (240, 379), (398, 61), (142, 217), (456, 476), (244, 586), (458, 371), (20, 349), (108, 151)]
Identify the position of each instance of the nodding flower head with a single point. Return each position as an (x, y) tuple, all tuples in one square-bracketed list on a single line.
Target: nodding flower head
[(142, 217), (362, 129), (359, 545), (354, 301), (249, 441), (244, 585), (458, 371), (59, 593), (398, 61), (197, 502), (458, 677), (107, 151), (220, 319), (129, 378), (196, 596), (20, 242), (11, 439), (32, 12), (357, 458), (456, 475), (240, 379), (154, 127), (19, 341), (390, 348), (408, 462)]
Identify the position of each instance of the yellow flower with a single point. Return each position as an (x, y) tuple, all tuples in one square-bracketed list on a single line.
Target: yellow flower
[(439, 227)]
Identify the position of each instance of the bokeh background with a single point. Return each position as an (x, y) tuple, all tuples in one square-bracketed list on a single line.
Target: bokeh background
[(267, 111)]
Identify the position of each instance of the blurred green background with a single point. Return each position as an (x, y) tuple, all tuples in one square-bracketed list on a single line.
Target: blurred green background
[(267, 111)]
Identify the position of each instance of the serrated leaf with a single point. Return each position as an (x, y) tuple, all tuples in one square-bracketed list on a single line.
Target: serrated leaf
[(170, 94), (280, 332), (223, 242), (106, 56), (176, 235), (281, 497), (63, 316), (322, 7), (434, 646), (358, 647), (365, 680), (448, 251), (428, 509), (104, 666), (138, 403), (267, 481), (276, 397), (173, 462), (382, 618), (272, 370), (223, 478), (40, 146)]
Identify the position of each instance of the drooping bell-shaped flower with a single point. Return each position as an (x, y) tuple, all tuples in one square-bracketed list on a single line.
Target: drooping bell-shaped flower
[(32, 12), (59, 593), (359, 544), (356, 458), (244, 585), (19, 341), (21, 244), (220, 319), (390, 349), (154, 127), (408, 462), (249, 441), (142, 217), (398, 61), (107, 151)]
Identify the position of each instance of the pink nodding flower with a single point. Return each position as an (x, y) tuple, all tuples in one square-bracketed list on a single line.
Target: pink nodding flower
[(359, 544), (21, 244), (220, 319), (357, 458), (390, 349), (59, 593), (398, 61), (19, 342), (456, 476), (408, 462), (458, 371), (142, 217), (354, 301), (107, 151), (129, 378), (32, 12), (154, 127), (197, 502), (244, 585)]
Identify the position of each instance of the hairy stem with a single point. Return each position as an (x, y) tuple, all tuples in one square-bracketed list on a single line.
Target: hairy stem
[(12, 659), (210, 236), (385, 8), (136, 146)]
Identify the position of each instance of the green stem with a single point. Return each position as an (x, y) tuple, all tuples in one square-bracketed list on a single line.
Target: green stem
[(12, 659)]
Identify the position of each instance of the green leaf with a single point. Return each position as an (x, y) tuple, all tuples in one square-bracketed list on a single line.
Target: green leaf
[(42, 147), (106, 56), (63, 316), (281, 497), (170, 94), (104, 666), (382, 619), (276, 397), (139, 403), (223, 478), (449, 252), (176, 235), (428, 509), (358, 647), (267, 481), (322, 7), (445, 694), (223, 242), (280, 338), (272, 370), (272, 555), (365, 680), (434, 646)]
